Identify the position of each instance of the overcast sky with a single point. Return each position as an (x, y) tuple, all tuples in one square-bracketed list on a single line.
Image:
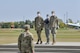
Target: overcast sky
[(20, 10)]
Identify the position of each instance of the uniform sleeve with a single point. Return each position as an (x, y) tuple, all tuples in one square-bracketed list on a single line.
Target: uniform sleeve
[(19, 42), (32, 45), (42, 23), (57, 21), (31, 35), (50, 22), (35, 23)]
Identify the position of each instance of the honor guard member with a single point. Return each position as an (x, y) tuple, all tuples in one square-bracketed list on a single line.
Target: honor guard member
[(47, 30), (25, 39), (39, 27), (53, 26)]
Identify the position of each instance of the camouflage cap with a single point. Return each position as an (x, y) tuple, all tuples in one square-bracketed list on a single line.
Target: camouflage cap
[(26, 26)]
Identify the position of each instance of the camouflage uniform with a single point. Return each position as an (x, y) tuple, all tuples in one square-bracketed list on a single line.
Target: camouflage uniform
[(53, 25), (39, 27), (25, 43)]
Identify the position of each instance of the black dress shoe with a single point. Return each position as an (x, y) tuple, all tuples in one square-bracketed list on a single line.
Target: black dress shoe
[(41, 42), (37, 43)]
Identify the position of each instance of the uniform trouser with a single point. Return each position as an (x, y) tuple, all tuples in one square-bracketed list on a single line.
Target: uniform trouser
[(47, 32), (25, 50), (53, 31), (39, 35)]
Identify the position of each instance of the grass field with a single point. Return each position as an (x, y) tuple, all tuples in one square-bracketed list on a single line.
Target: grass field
[(63, 35)]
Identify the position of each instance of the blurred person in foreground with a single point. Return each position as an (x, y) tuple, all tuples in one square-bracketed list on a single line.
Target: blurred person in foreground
[(25, 41)]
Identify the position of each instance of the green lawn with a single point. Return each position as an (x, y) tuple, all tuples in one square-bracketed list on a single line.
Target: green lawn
[(63, 35)]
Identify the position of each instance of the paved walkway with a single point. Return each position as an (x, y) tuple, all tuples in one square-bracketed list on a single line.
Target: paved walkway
[(56, 44), (58, 47)]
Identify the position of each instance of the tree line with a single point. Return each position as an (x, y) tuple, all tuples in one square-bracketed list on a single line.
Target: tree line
[(20, 24)]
